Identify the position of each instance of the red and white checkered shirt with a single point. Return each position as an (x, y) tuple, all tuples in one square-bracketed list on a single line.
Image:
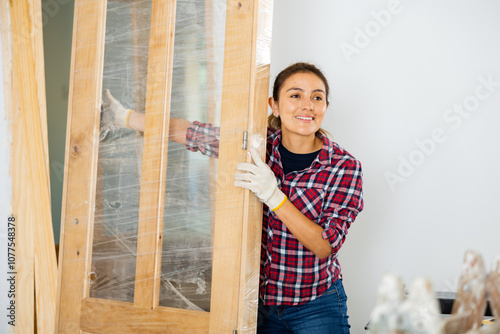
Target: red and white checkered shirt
[(329, 193)]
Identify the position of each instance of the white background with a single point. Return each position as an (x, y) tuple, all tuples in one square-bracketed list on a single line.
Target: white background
[(394, 92)]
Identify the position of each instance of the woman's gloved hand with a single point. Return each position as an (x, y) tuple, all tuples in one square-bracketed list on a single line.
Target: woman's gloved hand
[(113, 114), (260, 179)]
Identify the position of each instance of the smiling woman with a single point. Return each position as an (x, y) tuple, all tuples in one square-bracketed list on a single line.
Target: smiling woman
[(301, 108), (312, 191)]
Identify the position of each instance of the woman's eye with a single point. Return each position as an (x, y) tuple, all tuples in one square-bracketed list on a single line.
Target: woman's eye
[(318, 98), (294, 96)]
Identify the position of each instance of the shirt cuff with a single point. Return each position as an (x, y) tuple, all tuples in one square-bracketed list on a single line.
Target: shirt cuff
[(191, 136), (336, 233)]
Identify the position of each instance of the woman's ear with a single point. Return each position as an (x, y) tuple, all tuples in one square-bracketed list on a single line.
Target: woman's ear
[(273, 104)]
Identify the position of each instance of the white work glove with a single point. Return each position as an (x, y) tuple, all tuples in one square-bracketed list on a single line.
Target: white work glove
[(260, 179), (113, 114)]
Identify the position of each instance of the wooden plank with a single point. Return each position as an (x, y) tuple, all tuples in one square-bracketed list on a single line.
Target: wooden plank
[(37, 39), (212, 98), (138, 15), (45, 265), (81, 161), (154, 159), (24, 284), (29, 124), (252, 214), (21, 202), (25, 280), (237, 245), (113, 317), (24, 321), (61, 322)]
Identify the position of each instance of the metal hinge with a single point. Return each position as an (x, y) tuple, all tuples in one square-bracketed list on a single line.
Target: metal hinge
[(235, 331), (245, 142)]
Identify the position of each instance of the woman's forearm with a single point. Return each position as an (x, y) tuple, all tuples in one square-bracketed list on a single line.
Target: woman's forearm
[(177, 126), (306, 231)]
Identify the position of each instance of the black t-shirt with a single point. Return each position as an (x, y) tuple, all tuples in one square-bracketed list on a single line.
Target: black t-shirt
[(293, 162)]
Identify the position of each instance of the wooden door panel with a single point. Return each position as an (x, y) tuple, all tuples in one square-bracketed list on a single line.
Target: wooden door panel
[(116, 216), (124, 269), (114, 317)]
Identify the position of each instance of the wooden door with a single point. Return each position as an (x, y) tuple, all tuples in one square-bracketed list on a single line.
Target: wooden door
[(122, 259)]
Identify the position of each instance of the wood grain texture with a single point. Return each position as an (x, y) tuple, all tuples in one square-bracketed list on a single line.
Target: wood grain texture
[(110, 317), (228, 229), (21, 200), (155, 151), (212, 97), (37, 40), (252, 214), (81, 161), (238, 214), (237, 230), (31, 198)]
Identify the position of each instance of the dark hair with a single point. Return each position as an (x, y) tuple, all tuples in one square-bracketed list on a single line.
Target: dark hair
[(275, 122)]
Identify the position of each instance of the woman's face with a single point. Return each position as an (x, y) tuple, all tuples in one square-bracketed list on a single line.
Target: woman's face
[(301, 106)]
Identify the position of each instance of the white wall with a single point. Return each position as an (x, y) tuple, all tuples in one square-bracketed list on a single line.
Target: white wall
[(390, 91)]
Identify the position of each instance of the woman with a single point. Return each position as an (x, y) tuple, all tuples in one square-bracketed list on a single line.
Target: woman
[(312, 191)]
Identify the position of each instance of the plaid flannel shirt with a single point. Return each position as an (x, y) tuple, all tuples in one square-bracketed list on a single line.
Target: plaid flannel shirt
[(329, 193)]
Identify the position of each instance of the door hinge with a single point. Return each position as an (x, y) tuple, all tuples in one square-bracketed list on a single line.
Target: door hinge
[(245, 142)]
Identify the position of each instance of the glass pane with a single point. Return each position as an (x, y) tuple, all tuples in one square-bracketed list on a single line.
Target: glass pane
[(119, 165), (190, 191)]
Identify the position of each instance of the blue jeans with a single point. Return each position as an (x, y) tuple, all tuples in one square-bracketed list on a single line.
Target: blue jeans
[(326, 314)]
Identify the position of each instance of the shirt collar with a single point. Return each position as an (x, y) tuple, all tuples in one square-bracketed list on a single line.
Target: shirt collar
[(324, 156)]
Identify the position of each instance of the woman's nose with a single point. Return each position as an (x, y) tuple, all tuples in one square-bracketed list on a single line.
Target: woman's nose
[(307, 105)]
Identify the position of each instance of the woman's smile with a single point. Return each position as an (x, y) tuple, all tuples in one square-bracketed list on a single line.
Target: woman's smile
[(305, 118)]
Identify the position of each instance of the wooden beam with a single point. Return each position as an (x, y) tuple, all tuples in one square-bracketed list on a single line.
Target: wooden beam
[(36, 271), (24, 321), (139, 15), (257, 125), (113, 317), (212, 97), (32, 208), (237, 231), (155, 151), (37, 39), (81, 161)]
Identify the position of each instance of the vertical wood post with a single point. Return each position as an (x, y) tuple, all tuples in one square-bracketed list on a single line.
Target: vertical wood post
[(35, 265), (238, 232), (80, 170), (155, 152)]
